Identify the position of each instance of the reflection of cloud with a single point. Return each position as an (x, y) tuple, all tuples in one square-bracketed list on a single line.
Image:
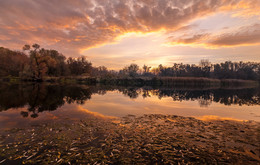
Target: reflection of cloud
[(12, 118), (95, 113), (212, 117), (72, 26)]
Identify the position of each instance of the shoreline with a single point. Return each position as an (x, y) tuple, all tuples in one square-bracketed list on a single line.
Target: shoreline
[(161, 139), (178, 82)]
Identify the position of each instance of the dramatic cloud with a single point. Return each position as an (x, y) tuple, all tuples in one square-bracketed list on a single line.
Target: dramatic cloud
[(72, 26), (248, 35), (245, 8), (197, 39), (243, 36)]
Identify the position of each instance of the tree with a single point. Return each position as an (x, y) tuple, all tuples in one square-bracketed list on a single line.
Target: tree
[(44, 62), (205, 67), (38, 61), (79, 66), (38, 64), (57, 65), (204, 63), (26, 47), (36, 46), (132, 70), (146, 69), (12, 62)]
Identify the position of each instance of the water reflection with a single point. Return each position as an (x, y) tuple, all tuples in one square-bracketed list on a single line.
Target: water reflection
[(206, 97), (40, 97), (36, 98), (248, 96)]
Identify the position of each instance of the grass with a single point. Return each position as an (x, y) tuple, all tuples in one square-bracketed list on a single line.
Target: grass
[(190, 82), (235, 82), (10, 79)]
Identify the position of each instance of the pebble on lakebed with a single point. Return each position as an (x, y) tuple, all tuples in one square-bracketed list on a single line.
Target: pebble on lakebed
[(147, 139)]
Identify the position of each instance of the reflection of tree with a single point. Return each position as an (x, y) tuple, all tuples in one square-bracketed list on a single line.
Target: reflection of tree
[(75, 94), (146, 93), (240, 97), (42, 97), (130, 92), (204, 103), (11, 96), (206, 97)]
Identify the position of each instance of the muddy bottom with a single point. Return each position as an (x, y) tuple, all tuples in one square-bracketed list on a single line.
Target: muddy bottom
[(148, 139)]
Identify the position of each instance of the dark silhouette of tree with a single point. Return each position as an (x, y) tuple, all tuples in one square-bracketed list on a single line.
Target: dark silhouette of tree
[(79, 66), (12, 62), (226, 70), (40, 62), (146, 70), (131, 70), (103, 72)]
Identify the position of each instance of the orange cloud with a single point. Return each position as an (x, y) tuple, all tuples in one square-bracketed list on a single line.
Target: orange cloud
[(247, 35), (197, 38), (243, 36), (56, 24), (244, 8)]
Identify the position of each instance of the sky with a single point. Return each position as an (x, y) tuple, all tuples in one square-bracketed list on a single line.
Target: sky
[(116, 33)]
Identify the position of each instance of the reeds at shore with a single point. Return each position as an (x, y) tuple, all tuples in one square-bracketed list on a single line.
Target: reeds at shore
[(190, 82), (198, 82)]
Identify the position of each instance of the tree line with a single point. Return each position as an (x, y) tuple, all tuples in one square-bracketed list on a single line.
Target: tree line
[(225, 70), (36, 63)]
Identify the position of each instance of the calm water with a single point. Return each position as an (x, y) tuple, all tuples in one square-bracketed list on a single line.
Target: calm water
[(24, 104)]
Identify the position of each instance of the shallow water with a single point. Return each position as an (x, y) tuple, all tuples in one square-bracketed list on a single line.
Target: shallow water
[(26, 104)]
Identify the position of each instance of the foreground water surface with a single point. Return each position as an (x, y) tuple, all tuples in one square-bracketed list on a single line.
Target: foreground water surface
[(22, 104), (80, 124)]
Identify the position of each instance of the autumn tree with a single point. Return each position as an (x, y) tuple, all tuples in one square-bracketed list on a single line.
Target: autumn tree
[(44, 62), (12, 62), (56, 64), (38, 61), (79, 66)]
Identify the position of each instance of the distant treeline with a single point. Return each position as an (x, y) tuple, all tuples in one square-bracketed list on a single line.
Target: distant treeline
[(36, 63)]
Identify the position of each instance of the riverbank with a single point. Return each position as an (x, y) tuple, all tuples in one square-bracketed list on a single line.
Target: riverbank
[(148, 139), (180, 82)]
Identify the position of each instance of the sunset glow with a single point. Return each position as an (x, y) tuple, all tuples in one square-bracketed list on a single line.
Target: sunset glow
[(119, 32)]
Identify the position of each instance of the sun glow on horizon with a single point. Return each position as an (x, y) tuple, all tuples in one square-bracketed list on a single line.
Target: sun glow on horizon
[(118, 33)]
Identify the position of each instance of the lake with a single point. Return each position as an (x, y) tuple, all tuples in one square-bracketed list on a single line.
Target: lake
[(43, 123), (25, 103)]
